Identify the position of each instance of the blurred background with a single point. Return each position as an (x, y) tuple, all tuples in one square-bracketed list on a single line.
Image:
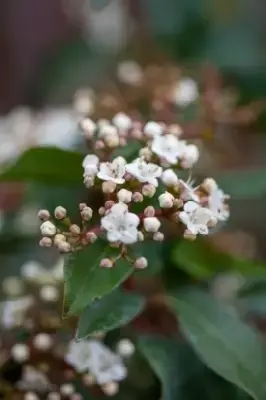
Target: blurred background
[(60, 58)]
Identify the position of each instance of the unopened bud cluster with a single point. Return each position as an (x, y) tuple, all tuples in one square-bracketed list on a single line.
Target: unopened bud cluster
[(151, 180)]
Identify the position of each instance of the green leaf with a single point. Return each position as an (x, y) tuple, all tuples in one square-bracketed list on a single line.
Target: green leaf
[(86, 281), (129, 152), (225, 343), (46, 165), (172, 361), (252, 297), (202, 261), (153, 252), (243, 184), (111, 311)]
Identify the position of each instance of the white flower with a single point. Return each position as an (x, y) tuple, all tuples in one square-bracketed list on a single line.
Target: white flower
[(169, 177), (122, 122), (166, 200), (48, 228), (13, 311), (168, 147), (196, 218), (185, 92), (90, 165), (151, 224), (188, 191), (217, 206), (152, 129), (93, 356), (105, 365), (190, 156), (121, 225), (130, 72), (107, 130), (33, 379), (144, 172), (113, 171)]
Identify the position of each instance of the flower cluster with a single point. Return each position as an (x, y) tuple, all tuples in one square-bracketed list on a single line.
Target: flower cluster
[(35, 341), (138, 194)]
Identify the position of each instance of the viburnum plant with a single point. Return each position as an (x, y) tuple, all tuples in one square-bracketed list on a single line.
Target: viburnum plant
[(139, 193)]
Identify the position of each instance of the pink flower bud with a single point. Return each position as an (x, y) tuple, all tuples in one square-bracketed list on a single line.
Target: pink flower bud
[(59, 238), (108, 187), (82, 206), (44, 215), (149, 211), (148, 190), (88, 127), (137, 197), (158, 236), (141, 263), (106, 263), (48, 228), (74, 229), (99, 145), (64, 247), (91, 237), (125, 196), (86, 214), (45, 242), (60, 212)]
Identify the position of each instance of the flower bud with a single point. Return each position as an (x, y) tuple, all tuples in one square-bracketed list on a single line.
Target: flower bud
[(31, 396), (99, 145), (42, 341), (20, 352), (86, 214), (189, 236), (175, 129), (64, 247), (122, 142), (91, 237), (106, 263), (88, 380), (149, 211), (141, 263), (146, 153), (88, 181), (110, 388), (125, 196), (125, 348), (140, 236), (112, 141), (137, 197), (158, 236), (151, 224), (122, 122), (67, 389), (49, 293), (101, 211), (108, 187), (152, 129), (60, 212), (169, 177), (166, 200), (82, 206), (48, 228), (45, 242), (88, 127), (59, 238), (74, 229), (109, 204), (44, 215), (148, 190), (209, 185)]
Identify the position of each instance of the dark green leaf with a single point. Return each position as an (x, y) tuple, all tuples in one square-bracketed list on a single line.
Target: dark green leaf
[(86, 281), (111, 311), (46, 165), (252, 297), (227, 345), (172, 361), (129, 152), (243, 184), (202, 261)]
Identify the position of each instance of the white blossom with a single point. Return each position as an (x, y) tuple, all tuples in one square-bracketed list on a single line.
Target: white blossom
[(217, 205), (196, 218), (113, 171), (93, 356), (144, 172), (122, 121), (90, 165), (185, 92), (168, 147), (120, 224), (169, 177), (152, 129), (190, 156)]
